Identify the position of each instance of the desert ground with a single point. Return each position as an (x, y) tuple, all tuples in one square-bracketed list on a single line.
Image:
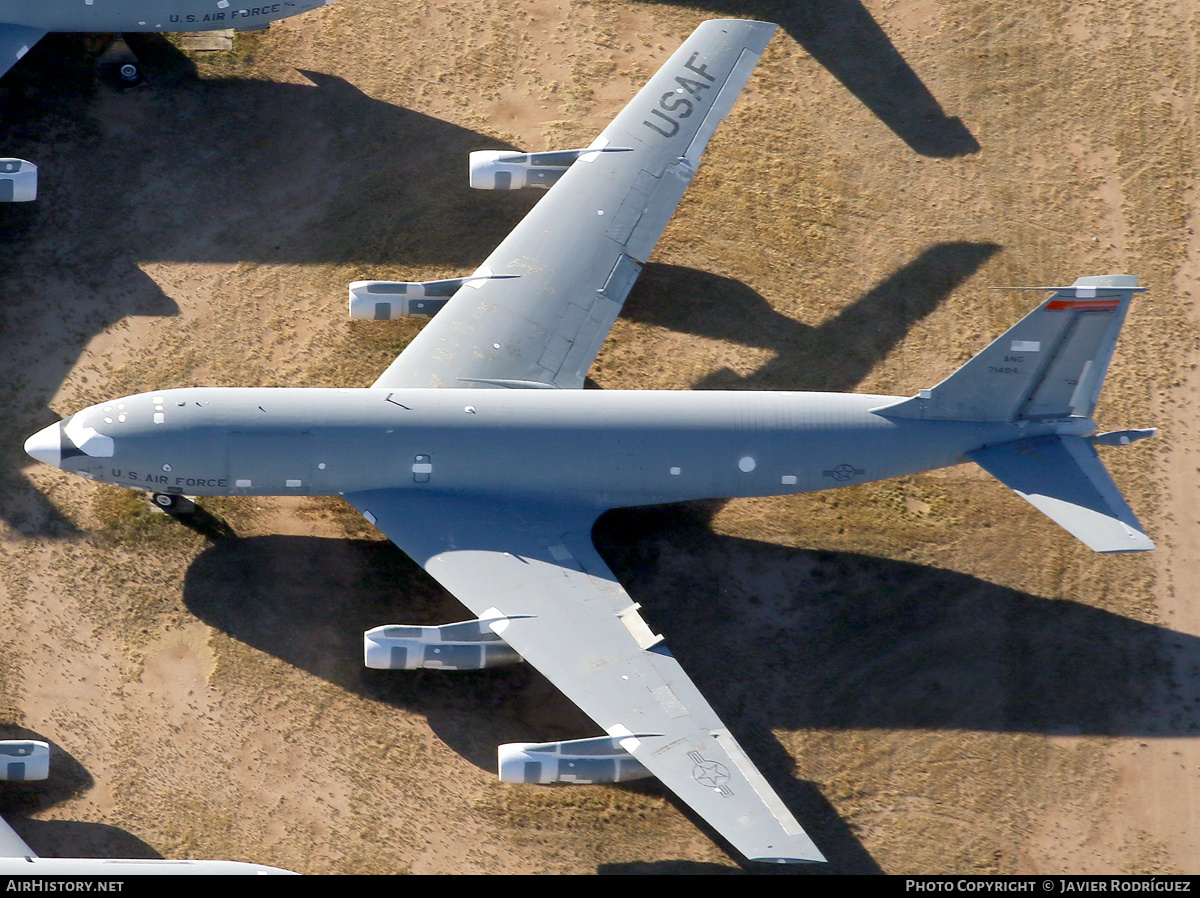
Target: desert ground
[(933, 676)]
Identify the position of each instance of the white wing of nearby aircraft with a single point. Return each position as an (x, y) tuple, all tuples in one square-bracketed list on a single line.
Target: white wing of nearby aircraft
[(493, 483), (16, 40)]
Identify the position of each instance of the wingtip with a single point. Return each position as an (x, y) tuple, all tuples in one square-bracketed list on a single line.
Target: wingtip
[(755, 34)]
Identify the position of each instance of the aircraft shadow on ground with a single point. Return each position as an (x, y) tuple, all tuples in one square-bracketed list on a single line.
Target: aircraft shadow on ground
[(31, 373), (74, 838), (61, 838), (191, 170), (843, 37), (834, 356), (236, 170), (776, 638)]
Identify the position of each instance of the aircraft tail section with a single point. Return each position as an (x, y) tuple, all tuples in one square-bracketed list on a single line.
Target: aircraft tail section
[(1062, 477), (1049, 368), (1050, 364)]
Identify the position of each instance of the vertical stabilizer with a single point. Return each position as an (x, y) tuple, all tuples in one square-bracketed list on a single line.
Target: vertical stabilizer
[(1050, 364)]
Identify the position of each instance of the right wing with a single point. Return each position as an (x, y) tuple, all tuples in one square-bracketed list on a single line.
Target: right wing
[(533, 564), (15, 42), (579, 250)]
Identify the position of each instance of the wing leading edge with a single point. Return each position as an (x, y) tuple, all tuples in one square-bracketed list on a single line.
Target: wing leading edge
[(534, 565), (578, 252)]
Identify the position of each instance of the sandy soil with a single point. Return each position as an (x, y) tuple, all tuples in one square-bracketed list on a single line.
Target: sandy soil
[(933, 676)]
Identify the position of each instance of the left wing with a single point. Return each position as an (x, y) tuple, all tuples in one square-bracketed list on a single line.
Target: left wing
[(534, 564), (538, 309), (15, 42)]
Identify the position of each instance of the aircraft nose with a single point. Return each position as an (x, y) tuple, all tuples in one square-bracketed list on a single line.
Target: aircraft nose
[(46, 445)]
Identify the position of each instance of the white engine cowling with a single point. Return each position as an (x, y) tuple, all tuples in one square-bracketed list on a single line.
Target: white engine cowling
[(383, 300), (469, 645), (24, 759), (511, 170), (597, 760), (18, 181)]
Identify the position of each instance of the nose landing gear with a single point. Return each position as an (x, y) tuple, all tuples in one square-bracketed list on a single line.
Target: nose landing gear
[(120, 66)]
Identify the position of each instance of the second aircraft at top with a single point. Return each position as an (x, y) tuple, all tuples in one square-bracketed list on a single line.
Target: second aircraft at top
[(24, 23)]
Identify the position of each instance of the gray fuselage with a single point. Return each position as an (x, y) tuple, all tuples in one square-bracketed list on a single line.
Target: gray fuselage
[(605, 448), (149, 15)]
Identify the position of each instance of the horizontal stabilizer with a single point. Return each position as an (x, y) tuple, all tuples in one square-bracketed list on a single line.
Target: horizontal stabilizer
[(1063, 478)]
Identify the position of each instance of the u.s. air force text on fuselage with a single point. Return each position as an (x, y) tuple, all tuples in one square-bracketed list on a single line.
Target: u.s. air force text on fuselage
[(146, 15), (23, 24)]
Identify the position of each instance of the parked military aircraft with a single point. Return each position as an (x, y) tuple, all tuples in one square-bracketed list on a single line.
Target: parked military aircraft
[(493, 482), (23, 24), (24, 760)]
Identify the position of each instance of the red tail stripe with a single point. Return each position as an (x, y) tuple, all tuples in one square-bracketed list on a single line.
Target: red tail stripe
[(1082, 305)]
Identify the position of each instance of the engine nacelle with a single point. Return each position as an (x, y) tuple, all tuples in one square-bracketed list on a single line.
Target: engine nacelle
[(597, 760), (510, 170), (384, 300), (469, 645), (24, 759), (18, 181)]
